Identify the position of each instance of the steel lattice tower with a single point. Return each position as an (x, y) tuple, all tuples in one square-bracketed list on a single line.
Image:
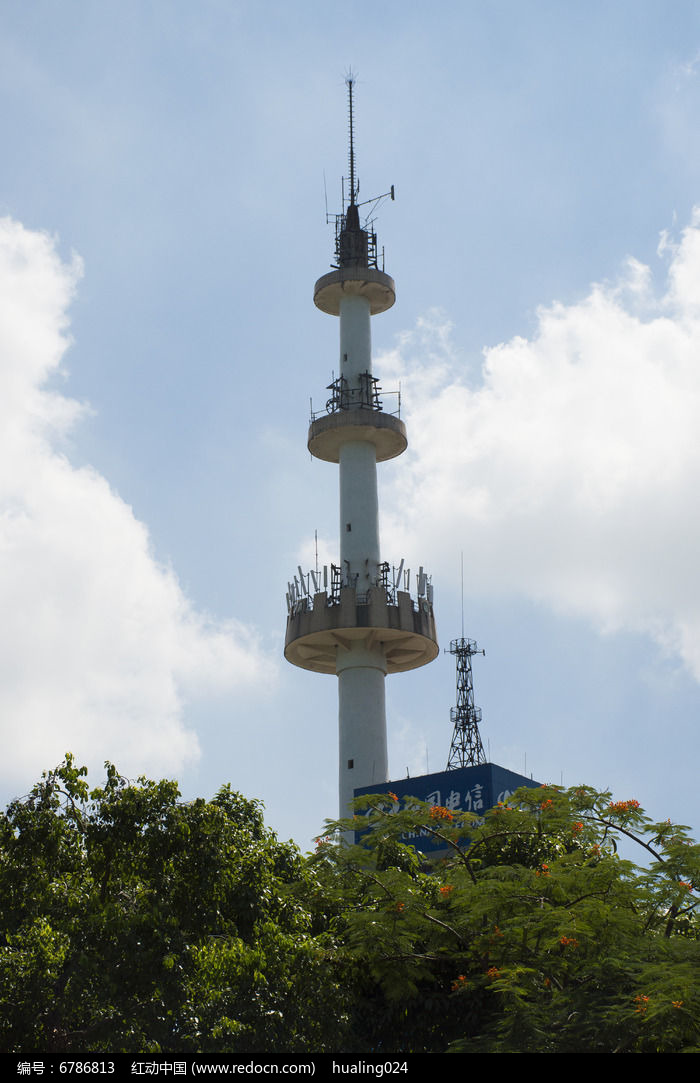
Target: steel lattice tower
[(466, 749), (357, 619)]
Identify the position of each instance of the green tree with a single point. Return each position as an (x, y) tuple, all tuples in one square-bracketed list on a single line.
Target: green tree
[(530, 935), (134, 922), (131, 921)]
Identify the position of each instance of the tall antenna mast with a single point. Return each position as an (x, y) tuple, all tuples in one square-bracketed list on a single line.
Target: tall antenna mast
[(466, 749), (355, 239), (350, 82)]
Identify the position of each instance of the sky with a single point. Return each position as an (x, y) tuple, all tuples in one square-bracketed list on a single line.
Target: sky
[(162, 224)]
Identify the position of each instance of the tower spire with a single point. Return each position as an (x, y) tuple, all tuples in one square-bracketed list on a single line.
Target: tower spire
[(350, 82), (355, 242)]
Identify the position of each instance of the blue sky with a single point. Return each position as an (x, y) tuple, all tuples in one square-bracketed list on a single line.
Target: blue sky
[(162, 196)]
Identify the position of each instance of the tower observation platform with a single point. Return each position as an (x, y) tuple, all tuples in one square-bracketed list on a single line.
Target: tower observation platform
[(359, 619)]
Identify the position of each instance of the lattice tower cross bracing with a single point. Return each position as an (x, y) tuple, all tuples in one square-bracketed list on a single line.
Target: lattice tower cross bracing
[(466, 749)]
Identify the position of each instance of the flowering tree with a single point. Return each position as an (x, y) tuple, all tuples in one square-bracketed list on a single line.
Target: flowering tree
[(531, 934), (135, 922)]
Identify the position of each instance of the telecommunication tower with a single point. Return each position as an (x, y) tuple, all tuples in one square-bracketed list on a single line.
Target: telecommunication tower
[(358, 619), (466, 749)]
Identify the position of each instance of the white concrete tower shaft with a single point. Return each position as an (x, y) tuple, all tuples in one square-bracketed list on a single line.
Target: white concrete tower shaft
[(360, 622), (359, 505), (361, 669)]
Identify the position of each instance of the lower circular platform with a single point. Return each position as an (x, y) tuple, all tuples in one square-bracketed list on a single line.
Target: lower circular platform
[(317, 632)]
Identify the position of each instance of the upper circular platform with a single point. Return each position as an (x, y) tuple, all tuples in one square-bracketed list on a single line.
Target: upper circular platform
[(328, 434), (376, 286)]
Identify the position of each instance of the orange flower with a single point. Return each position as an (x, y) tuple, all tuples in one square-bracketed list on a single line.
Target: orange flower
[(493, 972), (577, 828), (393, 796), (446, 889), (568, 942), (642, 1003), (542, 871), (685, 884), (437, 812), (459, 983), (547, 803), (623, 806), (400, 907), (677, 1003)]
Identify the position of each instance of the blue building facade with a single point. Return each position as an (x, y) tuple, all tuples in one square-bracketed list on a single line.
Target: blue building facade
[(464, 789)]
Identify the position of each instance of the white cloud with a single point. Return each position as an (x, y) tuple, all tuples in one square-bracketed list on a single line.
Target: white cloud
[(99, 648), (569, 469)]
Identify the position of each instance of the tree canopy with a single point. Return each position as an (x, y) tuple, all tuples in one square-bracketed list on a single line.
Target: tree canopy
[(530, 935), (134, 922)]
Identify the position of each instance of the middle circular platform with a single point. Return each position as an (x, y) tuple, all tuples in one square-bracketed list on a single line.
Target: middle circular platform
[(328, 434)]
